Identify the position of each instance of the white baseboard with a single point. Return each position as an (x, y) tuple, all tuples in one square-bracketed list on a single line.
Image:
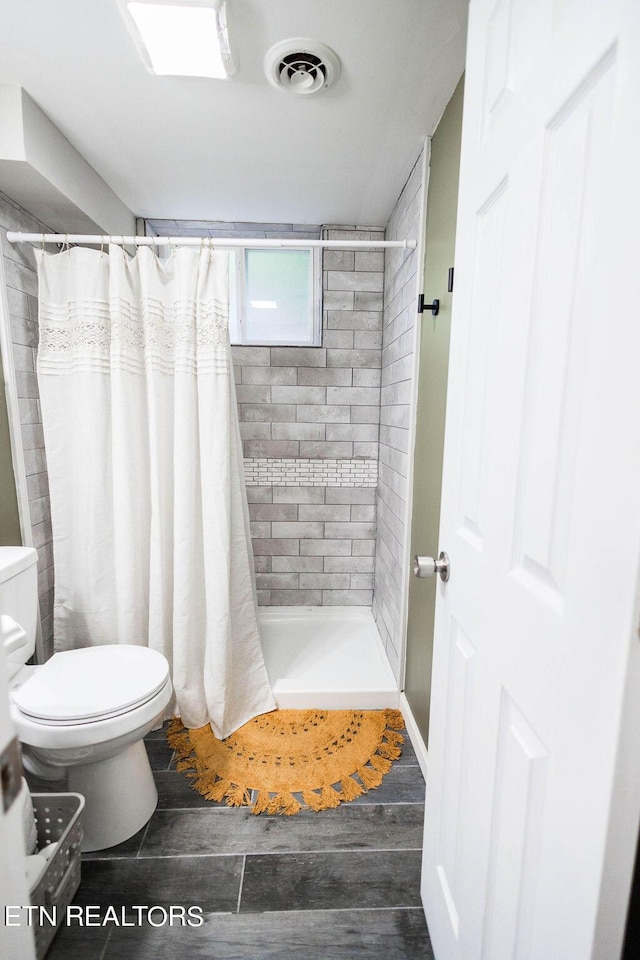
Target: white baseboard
[(415, 736)]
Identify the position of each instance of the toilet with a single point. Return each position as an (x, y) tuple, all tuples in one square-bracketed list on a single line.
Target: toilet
[(82, 714)]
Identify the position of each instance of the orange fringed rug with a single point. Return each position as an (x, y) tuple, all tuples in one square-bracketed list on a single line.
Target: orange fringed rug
[(325, 757)]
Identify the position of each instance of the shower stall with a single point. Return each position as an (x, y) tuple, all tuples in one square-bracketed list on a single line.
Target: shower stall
[(328, 533), (326, 436)]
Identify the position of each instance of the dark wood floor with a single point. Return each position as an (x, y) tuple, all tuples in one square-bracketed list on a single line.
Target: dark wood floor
[(338, 885)]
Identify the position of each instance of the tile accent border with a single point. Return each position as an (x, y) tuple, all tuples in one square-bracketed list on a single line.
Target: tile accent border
[(307, 472)]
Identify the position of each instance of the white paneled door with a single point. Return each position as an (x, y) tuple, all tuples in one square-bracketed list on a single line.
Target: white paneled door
[(532, 792)]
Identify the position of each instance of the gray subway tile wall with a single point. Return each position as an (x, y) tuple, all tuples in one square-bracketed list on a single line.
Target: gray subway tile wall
[(398, 344), (22, 299), (320, 403)]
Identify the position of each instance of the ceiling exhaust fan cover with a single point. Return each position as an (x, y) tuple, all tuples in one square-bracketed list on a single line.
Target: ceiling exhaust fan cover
[(302, 67)]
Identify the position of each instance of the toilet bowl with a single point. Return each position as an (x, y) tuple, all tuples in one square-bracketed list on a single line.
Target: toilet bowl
[(83, 713)]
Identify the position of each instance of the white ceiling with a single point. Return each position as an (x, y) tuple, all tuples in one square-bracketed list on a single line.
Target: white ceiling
[(192, 148)]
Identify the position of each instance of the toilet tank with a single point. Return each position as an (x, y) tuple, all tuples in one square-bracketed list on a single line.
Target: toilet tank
[(19, 600)]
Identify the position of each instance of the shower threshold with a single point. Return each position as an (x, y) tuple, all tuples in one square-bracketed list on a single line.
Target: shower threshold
[(326, 657)]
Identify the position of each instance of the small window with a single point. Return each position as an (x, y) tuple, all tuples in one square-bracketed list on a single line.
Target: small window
[(274, 296)]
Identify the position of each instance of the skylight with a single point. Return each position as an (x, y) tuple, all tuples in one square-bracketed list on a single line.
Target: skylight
[(187, 40)]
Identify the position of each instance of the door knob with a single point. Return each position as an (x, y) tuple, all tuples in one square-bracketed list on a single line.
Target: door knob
[(428, 567)]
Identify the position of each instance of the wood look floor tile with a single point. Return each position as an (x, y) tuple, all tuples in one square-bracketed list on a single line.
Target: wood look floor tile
[(212, 883), (223, 830), (324, 881), (78, 943), (176, 793), (403, 784), (395, 934), (408, 753), (339, 885), (160, 753), (127, 849)]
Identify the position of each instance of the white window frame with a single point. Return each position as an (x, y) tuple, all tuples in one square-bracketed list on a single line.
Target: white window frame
[(315, 320)]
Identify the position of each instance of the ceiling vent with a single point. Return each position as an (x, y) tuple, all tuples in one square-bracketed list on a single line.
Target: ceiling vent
[(302, 67)]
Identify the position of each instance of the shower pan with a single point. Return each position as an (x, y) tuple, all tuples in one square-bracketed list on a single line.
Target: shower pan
[(326, 657)]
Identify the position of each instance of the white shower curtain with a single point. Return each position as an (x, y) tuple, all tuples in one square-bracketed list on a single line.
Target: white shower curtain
[(150, 522)]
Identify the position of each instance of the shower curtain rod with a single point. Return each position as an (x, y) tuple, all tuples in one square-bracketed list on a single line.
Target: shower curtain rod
[(64, 238)]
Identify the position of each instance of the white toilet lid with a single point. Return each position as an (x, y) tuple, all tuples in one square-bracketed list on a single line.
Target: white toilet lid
[(92, 683)]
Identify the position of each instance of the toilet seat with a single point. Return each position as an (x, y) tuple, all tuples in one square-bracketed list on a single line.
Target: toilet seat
[(91, 684)]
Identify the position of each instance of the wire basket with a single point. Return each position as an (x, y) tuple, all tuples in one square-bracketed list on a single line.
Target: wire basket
[(58, 819)]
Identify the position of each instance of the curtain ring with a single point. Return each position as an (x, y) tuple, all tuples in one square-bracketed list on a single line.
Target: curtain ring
[(101, 246), (42, 244)]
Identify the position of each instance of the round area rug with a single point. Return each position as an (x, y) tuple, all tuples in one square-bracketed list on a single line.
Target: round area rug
[(325, 757)]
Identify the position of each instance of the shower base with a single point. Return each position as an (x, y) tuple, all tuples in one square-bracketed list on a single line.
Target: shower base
[(326, 657)]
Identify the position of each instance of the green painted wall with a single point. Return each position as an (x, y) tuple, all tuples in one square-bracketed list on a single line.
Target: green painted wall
[(442, 203), (9, 519)]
